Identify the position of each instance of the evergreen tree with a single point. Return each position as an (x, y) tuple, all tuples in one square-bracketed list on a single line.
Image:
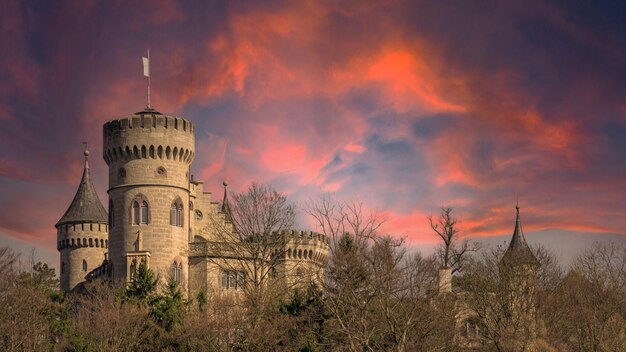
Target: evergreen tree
[(142, 285), (168, 309)]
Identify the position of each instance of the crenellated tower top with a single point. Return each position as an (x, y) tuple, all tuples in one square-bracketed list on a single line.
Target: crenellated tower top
[(124, 137)]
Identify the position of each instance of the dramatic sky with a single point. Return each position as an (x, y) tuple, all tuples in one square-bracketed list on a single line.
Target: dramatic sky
[(405, 105)]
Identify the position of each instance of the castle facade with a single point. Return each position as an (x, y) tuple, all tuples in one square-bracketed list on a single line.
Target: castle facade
[(159, 215)]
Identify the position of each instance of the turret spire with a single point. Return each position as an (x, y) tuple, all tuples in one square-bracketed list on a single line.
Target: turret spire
[(518, 248), (86, 206), (225, 206)]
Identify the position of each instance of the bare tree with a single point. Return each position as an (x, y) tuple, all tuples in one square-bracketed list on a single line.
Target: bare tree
[(249, 239), (586, 310), (9, 263), (8, 260), (450, 252), (375, 293)]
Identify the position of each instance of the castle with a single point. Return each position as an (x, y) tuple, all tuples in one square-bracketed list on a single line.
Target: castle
[(160, 216)]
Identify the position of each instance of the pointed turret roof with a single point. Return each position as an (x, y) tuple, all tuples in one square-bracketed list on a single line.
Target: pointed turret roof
[(225, 206), (519, 251), (86, 206)]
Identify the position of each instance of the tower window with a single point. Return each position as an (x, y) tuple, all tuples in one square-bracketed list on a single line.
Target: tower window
[(174, 271), (136, 213), (139, 212), (62, 267), (161, 171), (177, 272), (176, 214), (84, 265), (144, 212), (121, 173)]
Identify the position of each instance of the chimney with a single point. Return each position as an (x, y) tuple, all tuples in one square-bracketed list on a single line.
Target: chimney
[(445, 280)]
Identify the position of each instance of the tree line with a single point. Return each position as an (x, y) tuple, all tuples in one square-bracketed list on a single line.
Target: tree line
[(375, 295)]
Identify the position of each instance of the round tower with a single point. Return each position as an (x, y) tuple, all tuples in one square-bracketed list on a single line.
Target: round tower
[(82, 236), (148, 155), (304, 257)]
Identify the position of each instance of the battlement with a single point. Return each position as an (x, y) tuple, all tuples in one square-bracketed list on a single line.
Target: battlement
[(73, 236), (301, 236), (147, 121), (305, 245), (148, 134)]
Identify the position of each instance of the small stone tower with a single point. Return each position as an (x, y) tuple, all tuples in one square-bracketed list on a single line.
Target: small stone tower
[(518, 272), (148, 155), (82, 236)]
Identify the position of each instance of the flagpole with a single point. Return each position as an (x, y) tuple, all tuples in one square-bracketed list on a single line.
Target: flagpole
[(149, 107)]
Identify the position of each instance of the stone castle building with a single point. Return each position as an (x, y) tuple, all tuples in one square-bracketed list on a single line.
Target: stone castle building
[(159, 215)]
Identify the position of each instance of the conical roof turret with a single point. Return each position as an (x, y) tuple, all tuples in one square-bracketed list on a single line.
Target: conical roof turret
[(86, 206), (518, 250), (225, 206)]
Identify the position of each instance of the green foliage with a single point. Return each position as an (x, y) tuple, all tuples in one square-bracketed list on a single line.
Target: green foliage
[(202, 301), (310, 344), (143, 285), (168, 309)]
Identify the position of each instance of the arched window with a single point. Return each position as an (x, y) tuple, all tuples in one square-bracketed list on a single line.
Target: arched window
[(174, 271), (139, 211), (84, 265), (180, 274), (176, 214), (471, 329), (136, 214)]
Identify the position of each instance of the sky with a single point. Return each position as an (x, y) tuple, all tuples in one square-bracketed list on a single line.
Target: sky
[(406, 106)]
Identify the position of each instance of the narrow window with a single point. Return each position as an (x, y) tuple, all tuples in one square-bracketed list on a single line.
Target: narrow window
[(173, 215), (62, 267), (144, 212), (176, 215), (241, 280), (232, 279), (174, 270), (180, 273), (84, 265), (136, 212), (224, 282)]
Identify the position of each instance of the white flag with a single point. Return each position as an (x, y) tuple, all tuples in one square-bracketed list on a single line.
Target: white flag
[(146, 66)]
